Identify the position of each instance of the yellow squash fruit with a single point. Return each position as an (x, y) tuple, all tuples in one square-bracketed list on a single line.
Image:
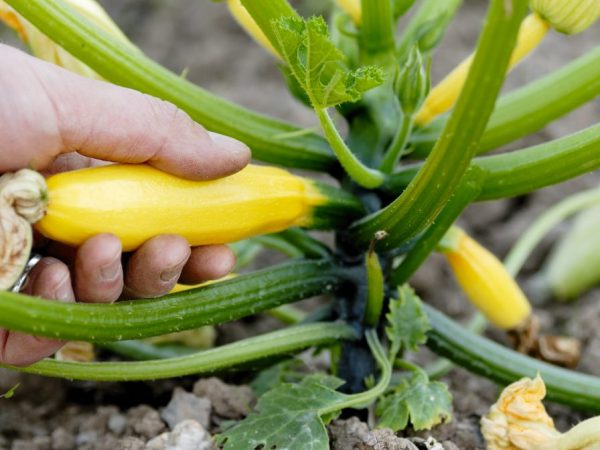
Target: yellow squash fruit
[(442, 97), (137, 202), (46, 49), (487, 283)]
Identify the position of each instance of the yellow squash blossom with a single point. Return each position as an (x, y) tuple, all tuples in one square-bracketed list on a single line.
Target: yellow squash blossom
[(519, 421), (486, 281), (46, 49)]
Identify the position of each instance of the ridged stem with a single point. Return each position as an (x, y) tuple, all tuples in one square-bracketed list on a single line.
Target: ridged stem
[(528, 169), (123, 65), (417, 207), (377, 27), (530, 108), (504, 366), (220, 302), (467, 191), (282, 342)]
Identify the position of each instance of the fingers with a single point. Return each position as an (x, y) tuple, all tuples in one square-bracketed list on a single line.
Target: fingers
[(156, 266), (49, 279), (208, 263), (98, 270), (64, 112)]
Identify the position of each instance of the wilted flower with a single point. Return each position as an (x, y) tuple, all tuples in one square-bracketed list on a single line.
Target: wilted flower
[(519, 421)]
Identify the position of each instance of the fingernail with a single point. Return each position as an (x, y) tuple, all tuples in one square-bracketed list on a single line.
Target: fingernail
[(229, 144), (111, 271), (64, 292), (170, 274)]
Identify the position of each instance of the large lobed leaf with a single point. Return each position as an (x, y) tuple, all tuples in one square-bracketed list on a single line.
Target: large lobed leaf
[(318, 65), (288, 417)]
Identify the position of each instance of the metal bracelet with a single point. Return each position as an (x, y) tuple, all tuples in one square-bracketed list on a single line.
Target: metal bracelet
[(33, 260)]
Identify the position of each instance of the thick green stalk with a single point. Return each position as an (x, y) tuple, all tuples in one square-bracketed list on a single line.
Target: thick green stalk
[(531, 107), (517, 173), (220, 302), (467, 191), (522, 171), (125, 66), (288, 340), (417, 207), (484, 357), (377, 27)]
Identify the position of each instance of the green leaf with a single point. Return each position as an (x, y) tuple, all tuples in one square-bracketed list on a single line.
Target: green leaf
[(288, 417), (277, 374), (426, 403), (407, 323), (318, 65), (393, 413), (11, 392)]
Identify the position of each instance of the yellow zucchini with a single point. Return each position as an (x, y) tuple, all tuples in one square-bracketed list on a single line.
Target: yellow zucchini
[(137, 202)]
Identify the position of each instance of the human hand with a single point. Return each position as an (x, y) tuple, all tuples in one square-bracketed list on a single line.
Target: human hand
[(52, 120)]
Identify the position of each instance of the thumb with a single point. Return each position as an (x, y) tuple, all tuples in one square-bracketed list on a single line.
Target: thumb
[(107, 122)]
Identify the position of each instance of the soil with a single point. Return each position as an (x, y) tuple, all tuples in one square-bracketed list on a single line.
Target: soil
[(200, 38)]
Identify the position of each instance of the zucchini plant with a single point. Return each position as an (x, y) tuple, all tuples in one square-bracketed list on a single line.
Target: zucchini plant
[(406, 169)]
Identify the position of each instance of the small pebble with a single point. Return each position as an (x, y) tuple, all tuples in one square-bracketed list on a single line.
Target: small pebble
[(186, 406), (62, 439), (117, 423), (187, 435), (145, 421)]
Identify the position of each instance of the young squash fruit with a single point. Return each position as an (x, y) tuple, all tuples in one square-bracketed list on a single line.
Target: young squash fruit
[(137, 202)]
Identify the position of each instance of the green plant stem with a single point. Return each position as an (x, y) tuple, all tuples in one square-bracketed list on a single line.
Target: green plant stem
[(288, 340), (362, 175), (304, 242), (504, 366), (544, 223), (430, 11), (375, 289), (417, 207), (531, 107), (516, 173), (467, 191), (124, 65), (220, 302), (287, 314), (522, 171), (144, 351), (364, 398), (394, 153), (377, 27)]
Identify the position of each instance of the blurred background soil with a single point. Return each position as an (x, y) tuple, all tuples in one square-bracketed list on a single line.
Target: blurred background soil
[(200, 38)]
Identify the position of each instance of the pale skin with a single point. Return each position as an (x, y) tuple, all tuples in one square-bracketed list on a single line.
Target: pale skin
[(52, 120)]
